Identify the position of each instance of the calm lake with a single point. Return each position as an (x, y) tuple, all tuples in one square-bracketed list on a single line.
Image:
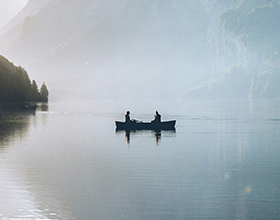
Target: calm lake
[(68, 162)]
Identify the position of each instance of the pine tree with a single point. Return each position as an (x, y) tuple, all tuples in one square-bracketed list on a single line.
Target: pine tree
[(35, 95), (34, 86), (16, 86), (44, 92)]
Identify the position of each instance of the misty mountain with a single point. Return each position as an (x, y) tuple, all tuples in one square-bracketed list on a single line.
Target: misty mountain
[(13, 28), (117, 49), (147, 49), (248, 51)]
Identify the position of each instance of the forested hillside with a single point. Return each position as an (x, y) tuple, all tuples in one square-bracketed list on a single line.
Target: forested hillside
[(15, 85)]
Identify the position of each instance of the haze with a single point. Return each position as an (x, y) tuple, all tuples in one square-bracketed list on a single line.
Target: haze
[(9, 9), (148, 49)]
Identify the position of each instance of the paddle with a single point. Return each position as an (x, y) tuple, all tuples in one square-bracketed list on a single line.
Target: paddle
[(137, 121)]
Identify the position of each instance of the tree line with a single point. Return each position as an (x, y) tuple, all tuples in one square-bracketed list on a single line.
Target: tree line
[(16, 86)]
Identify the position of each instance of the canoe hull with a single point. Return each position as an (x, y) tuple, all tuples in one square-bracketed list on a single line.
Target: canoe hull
[(166, 125)]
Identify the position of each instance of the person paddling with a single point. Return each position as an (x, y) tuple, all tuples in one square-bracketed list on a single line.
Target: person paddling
[(128, 120)]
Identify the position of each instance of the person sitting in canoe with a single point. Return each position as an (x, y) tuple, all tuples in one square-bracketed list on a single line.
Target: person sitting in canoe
[(127, 117), (128, 120), (157, 118)]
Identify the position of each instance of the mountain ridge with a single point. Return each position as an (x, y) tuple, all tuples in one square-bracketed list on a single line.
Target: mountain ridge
[(112, 48)]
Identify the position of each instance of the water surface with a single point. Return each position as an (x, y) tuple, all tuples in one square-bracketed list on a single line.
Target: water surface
[(68, 161)]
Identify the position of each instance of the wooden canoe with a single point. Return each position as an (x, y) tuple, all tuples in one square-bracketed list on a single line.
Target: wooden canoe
[(133, 125)]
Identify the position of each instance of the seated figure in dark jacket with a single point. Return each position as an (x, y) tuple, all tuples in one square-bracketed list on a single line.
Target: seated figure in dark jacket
[(127, 117), (157, 118)]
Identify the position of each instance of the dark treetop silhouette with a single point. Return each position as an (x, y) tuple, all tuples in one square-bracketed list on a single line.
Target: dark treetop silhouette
[(15, 85)]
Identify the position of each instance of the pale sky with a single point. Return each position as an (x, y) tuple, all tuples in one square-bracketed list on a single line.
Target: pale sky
[(9, 8)]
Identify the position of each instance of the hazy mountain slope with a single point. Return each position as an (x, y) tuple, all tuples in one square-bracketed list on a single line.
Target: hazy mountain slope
[(32, 8), (251, 33), (260, 33), (111, 48), (149, 49), (10, 31)]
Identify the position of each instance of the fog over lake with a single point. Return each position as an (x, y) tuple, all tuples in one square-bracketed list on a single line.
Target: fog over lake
[(105, 49)]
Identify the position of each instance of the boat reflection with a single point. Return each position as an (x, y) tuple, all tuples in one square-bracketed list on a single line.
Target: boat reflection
[(157, 136), (156, 133)]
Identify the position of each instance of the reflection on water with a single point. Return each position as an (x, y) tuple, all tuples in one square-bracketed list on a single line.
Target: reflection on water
[(8, 110), (43, 107), (21, 196), (14, 121), (157, 134), (68, 162)]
